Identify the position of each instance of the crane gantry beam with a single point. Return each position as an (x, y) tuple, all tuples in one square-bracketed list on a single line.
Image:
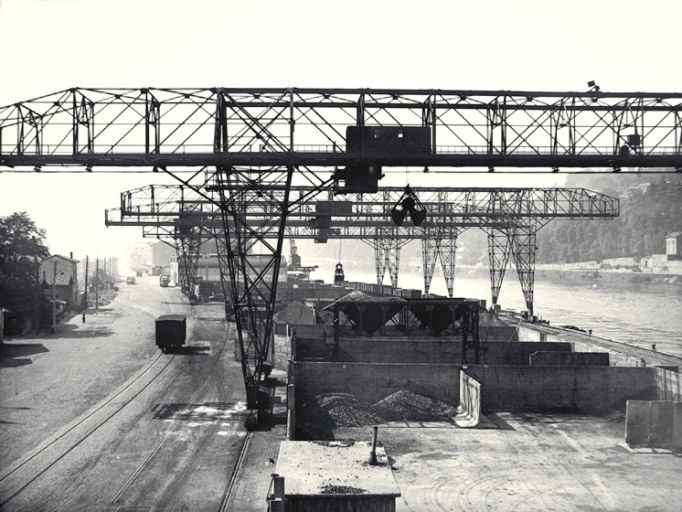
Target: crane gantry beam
[(510, 216), (167, 202), (217, 126)]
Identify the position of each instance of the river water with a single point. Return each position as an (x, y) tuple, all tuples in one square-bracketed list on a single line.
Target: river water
[(638, 313)]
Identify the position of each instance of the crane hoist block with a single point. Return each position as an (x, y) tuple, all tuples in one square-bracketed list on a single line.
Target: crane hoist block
[(357, 178), (393, 139)]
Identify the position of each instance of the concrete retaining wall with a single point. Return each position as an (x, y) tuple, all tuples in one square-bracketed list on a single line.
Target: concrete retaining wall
[(386, 350), (469, 414), (589, 389), (616, 358), (497, 333), (282, 350), (373, 381), (315, 331), (543, 358), (669, 385), (345, 503), (654, 424)]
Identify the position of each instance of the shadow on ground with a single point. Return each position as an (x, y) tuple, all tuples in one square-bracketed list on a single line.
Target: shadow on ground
[(189, 350), (10, 363), (14, 354), (74, 331), (204, 411), (10, 350)]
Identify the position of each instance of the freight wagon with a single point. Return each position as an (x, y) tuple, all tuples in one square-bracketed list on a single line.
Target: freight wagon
[(171, 331)]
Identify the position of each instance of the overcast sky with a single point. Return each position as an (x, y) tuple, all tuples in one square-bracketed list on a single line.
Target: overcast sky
[(48, 45)]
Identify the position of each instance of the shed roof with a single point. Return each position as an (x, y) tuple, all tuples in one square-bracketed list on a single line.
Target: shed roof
[(296, 313), (59, 256)]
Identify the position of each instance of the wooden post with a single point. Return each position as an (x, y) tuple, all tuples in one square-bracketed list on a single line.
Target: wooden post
[(54, 296), (373, 453), (85, 295), (97, 283), (276, 501)]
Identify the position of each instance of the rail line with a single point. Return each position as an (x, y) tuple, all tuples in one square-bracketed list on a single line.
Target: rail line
[(169, 432), (81, 420), (235, 472), (88, 434)]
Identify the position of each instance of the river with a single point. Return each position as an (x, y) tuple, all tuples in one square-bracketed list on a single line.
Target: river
[(637, 313)]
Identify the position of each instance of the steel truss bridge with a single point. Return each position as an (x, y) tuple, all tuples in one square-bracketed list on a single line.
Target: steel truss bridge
[(511, 217), (255, 142)]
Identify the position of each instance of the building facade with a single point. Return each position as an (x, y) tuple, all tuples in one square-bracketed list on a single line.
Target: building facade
[(65, 280)]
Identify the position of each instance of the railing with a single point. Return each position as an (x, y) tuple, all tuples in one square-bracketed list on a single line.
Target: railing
[(190, 149)]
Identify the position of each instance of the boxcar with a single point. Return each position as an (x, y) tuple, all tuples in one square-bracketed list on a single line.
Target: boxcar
[(171, 331)]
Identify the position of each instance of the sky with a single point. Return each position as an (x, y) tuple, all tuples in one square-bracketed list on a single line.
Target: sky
[(49, 45)]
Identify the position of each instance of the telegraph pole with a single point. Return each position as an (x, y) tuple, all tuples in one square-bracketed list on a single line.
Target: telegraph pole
[(85, 296), (54, 296), (97, 283)]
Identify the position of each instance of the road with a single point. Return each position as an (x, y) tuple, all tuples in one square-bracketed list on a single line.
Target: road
[(95, 417)]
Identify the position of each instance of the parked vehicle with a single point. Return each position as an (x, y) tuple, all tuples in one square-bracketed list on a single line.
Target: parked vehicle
[(130, 280), (171, 331)]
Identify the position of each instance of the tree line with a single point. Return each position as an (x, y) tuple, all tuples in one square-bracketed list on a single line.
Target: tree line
[(22, 248), (650, 209)]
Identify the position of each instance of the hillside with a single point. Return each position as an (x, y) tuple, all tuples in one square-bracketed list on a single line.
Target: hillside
[(651, 207)]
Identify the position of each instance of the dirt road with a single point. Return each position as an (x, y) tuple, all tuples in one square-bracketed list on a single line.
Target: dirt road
[(95, 417)]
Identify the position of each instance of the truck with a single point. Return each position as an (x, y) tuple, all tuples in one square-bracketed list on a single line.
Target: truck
[(163, 280)]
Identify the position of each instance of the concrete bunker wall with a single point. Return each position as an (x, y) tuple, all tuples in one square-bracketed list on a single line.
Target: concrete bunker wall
[(374, 381), (654, 424), (669, 385), (469, 413), (554, 358), (588, 389), (616, 358), (417, 351)]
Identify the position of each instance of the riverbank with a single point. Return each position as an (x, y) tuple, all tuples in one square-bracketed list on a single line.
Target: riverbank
[(550, 272), (610, 275)]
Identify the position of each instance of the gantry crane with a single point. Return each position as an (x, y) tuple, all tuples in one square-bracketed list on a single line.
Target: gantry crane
[(510, 216), (259, 140)]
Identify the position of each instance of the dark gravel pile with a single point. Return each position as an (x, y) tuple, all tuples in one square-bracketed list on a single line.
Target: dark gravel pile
[(340, 410), (344, 410), (341, 489), (405, 405)]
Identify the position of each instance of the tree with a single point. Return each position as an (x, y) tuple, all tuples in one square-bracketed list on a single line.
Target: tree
[(21, 250)]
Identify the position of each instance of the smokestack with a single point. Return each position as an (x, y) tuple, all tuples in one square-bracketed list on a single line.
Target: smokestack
[(71, 255)]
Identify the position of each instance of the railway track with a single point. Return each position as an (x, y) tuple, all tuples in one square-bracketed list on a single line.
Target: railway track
[(83, 418), (235, 473), (80, 421), (169, 433), (20, 476)]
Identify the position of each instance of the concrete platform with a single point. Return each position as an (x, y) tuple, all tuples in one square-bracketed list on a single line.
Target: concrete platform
[(317, 471), (531, 462)]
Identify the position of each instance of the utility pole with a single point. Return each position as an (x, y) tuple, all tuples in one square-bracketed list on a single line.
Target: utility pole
[(97, 283), (85, 296), (54, 296)]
